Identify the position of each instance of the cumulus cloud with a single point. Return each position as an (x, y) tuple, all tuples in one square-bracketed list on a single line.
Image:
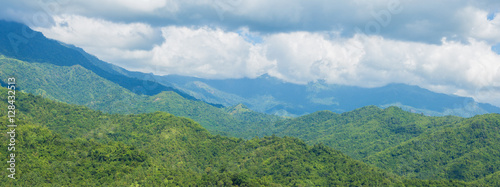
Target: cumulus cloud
[(423, 21), (98, 33), (210, 53), (481, 28), (452, 67), (370, 61), (445, 46)]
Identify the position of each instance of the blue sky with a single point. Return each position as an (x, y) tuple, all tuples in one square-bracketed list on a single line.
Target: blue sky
[(448, 46), (496, 48)]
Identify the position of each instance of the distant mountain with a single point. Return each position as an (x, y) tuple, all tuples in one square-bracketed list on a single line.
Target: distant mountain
[(65, 73), (77, 85), (155, 148), (20, 42), (271, 95), (263, 94)]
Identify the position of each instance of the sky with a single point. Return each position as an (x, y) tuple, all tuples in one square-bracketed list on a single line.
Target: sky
[(446, 46)]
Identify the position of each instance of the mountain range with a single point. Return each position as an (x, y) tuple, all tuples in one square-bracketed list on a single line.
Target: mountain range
[(87, 122), (68, 145), (273, 96), (264, 94)]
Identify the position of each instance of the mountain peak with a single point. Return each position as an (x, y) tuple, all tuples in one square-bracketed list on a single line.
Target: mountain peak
[(239, 108)]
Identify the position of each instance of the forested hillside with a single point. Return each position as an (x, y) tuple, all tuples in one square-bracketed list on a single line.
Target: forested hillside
[(359, 134), (405, 143), (362, 132), (232, 94), (90, 148), (77, 85), (264, 94), (467, 151), (38, 48)]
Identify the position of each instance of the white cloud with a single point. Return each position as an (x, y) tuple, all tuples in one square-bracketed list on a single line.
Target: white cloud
[(301, 41), (426, 20), (374, 61), (450, 67), (115, 8), (368, 61), (98, 33), (480, 27), (209, 53)]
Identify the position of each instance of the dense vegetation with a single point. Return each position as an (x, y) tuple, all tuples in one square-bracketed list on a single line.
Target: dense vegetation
[(125, 141), (77, 85), (61, 144), (361, 132), (407, 144), (466, 151)]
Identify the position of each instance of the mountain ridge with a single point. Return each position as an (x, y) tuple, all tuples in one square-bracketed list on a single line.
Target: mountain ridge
[(86, 147), (271, 95), (265, 93), (38, 48)]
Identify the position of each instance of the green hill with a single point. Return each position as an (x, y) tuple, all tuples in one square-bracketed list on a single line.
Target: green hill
[(361, 132), (77, 85), (35, 47), (407, 144), (467, 151), (490, 180), (60, 144)]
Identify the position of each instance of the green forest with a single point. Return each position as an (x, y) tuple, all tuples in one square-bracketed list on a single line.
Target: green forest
[(69, 145), (85, 122), (79, 129), (77, 85)]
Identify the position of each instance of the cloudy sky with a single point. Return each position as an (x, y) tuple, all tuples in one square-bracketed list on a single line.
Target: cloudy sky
[(447, 46)]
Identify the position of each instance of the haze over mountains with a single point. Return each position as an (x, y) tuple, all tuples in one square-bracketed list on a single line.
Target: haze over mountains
[(263, 94), (271, 95)]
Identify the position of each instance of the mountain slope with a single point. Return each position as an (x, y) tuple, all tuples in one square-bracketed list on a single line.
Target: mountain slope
[(263, 94), (407, 144), (490, 180), (20, 42), (466, 151), (85, 147), (77, 85), (271, 95), (361, 132)]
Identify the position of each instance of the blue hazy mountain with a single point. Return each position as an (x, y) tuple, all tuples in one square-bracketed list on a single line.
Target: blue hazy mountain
[(271, 95), (265, 94), (20, 42)]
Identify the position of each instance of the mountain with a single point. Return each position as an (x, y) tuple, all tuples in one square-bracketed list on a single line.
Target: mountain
[(66, 73), (361, 132), (264, 94), (466, 151), (271, 95), (405, 143), (60, 144), (77, 85), (20, 42), (128, 137)]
